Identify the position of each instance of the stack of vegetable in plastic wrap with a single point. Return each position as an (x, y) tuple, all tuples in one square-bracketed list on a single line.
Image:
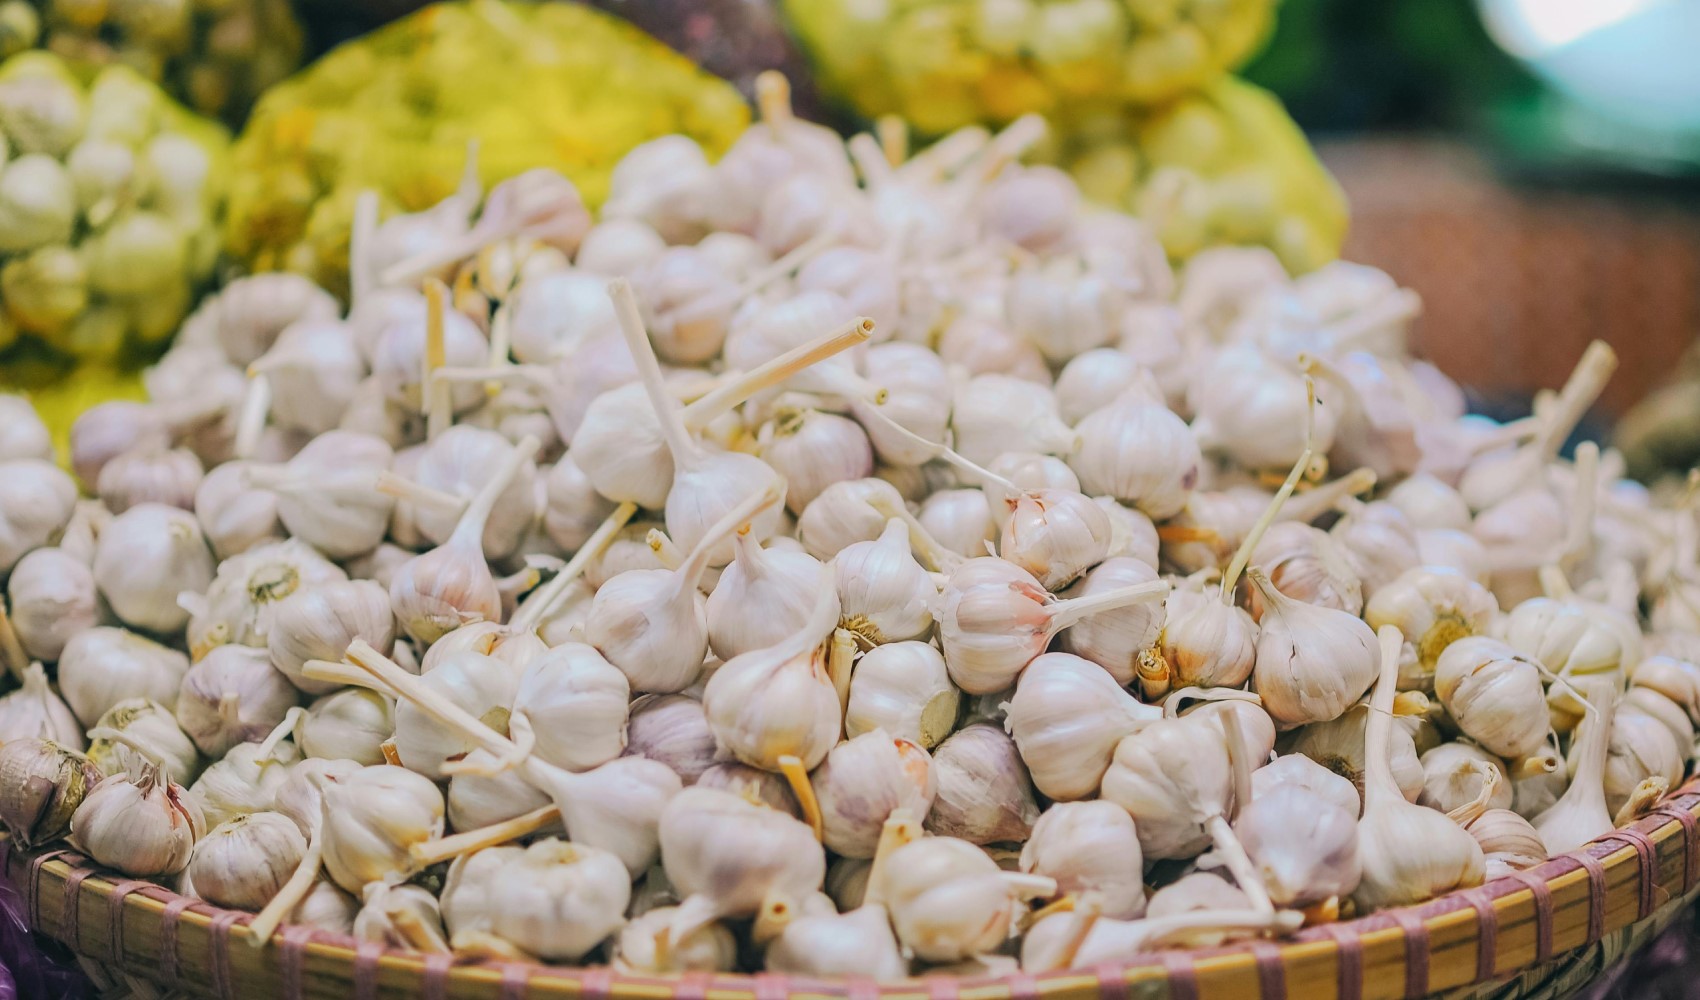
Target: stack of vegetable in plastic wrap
[(1146, 115)]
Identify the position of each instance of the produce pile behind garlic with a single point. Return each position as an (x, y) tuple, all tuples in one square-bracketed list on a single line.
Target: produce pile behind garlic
[(822, 562)]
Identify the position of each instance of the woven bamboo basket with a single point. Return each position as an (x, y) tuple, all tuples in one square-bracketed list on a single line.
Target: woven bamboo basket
[(1543, 933)]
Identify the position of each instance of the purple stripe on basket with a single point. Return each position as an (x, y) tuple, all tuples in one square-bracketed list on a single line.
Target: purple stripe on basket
[(596, 984), (1690, 843), (1648, 855), (115, 917), (1271, 972), (1112, 981), (71, 912), (772, 986), (692, 986), (1183, 976), (32, 887), (223, 984), (292, 958), (1536, 883), (941, 987), (1481, 899), (1416, 949), (1348, 962), (168, 936), (861, 988), (1596, 870), (434, 981), (366, 970), (1022, 986), (515, 976)]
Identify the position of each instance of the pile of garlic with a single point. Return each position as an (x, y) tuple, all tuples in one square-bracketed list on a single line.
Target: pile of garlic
[(827, 562)]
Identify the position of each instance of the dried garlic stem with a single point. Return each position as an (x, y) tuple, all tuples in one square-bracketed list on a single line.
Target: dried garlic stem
[(739, 388), (798, 776), (1313, 503), (11, 649), (893, 134), (901, 827), (256, 403), (669, 554), (443, 848), (542, 601), (840, 660), (266, 922), (1398, 306), (439, 405), (1579, 533), (1648, 792), (1243, 554)]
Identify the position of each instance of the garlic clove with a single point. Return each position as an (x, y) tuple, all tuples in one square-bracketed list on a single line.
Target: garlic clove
[(41, 785)]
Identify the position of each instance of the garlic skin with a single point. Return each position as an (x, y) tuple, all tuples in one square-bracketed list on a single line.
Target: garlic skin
[(557, 900), (1572, 638), (1067, 716), (236, 604), (812, 450), (1303, 846), (299, 795), (752, 784), (1303, 772), (144, 558), (576, 703), (38, 499), (1205, 642), (1409, 853), (1338, 745), (371, 818), (147, 475), (884, 595), (992, 414), (1115, 642), (319, 621), (947, 898), (1056, 535), (1508, 840), (858, 943), (846, 513), (984, 794), (246, 780), (403, 916), (904, 689), (1640, 747), (1436, 608), (572, 509), (919, 400), (1495, 696), (710, 948), (727, 855), (233, 515), (1379, 543), (862, 782), (1251, 410), (1140, 453), (243, 862), (142, 826), (959, 521), (52, 598), (672, 729), (326, 908), (779, 701), (780, 582), (350, 724), (1453, 776), (1307, 565), (480, 685), (1090, 847), (153, 727), (233, 695), (41, 785), (1312, 662), (1093, 379)]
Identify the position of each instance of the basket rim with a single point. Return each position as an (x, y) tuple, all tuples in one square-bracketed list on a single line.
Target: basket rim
[(1567, 902)]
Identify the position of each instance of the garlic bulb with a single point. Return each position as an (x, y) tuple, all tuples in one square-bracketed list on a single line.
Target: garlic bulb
[(231, 696), (984, 794), (992, 414), (1338, 745), (234, 516), (326, 908), (1572, 638), (319, 620), (350, 724), (1195, 892), (947, 898), (858, 943), (884, 595), (142, 824), (482, 795), (1495, 696), (672, 729), (862, 782), (1090, 847), (149, 475), (25, 436), (845, 513), (575, 702), (753, 785), (299, 794), (403, 916), (35, 711), (152, 729), (959, 521), (325, 496), (1307, 565), (1304, 847), (1429, 503), (778, 702), (458, 462), (1409, 853), (371, 818), (904, 689), (244, 861), (52, 597), (1641, 748), (1312, 662), (245, 780), (1055, 534), (1678, 680), (479, 685), (1140, 453), (779, 582), (1435, 607), (41, 785), (235, 606), (38, 499), (144, 558), (1454, 774), (556, 900), (639, 946), (1067, 717), (729, 856), (1115, 643), (1300, 770), (812, 450), (1378, 541), (1250, 409)]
